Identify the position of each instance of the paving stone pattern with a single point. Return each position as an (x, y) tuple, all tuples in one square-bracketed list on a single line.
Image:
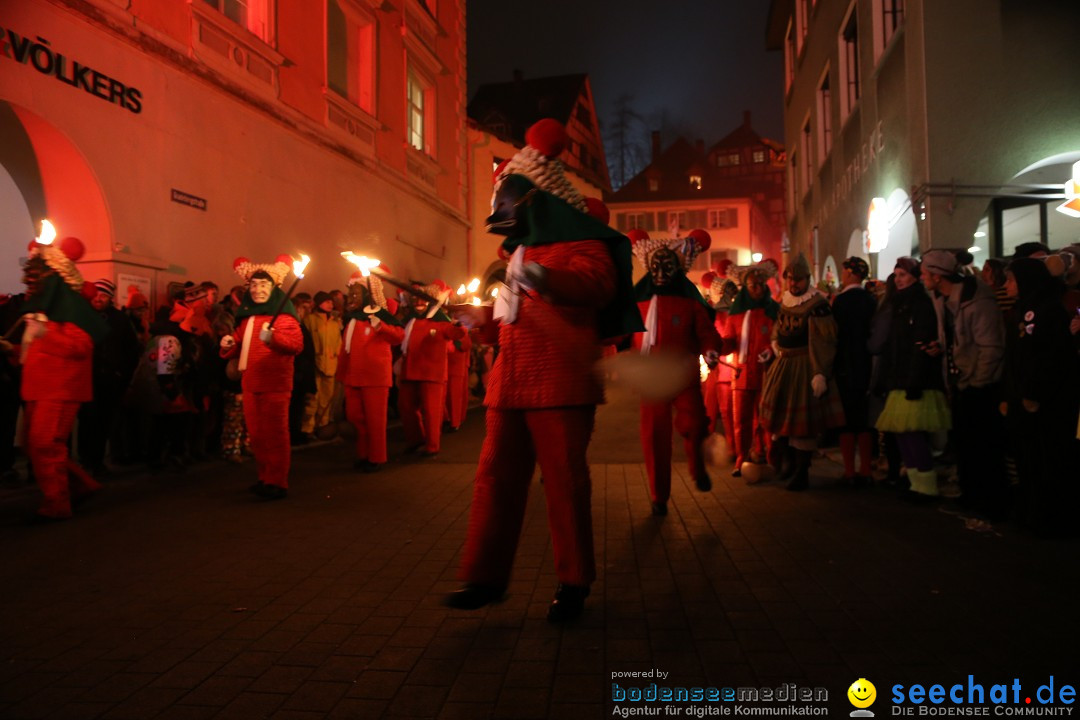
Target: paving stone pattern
[(180, 596)]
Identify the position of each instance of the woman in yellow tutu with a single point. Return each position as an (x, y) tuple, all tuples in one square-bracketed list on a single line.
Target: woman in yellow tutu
[(911, 368)]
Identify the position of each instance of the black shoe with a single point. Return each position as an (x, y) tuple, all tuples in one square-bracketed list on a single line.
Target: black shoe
[(737, 472), (702, 482), (659, 509), (366, 466), (862, 481), (451, 428), (273, 492), (800, 479), (256, 488), (428, 454), (568, 604), (473, 596)]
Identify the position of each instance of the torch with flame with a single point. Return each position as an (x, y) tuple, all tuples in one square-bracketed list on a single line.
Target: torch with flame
[(298, 266), (365, 265), (48, 233)]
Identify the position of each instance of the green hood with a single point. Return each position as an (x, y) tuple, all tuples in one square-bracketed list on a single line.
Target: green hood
[(681, 287), (744, 302), (62, 304), (360, 316), (548, 220), (248, 307)]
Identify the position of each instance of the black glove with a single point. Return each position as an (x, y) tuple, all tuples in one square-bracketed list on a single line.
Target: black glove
[(913, 394)]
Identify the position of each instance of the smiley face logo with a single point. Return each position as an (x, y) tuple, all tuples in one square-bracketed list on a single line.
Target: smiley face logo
[(862, 693)]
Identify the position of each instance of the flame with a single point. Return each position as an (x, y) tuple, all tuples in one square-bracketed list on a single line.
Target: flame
[(299, 266), (48, 233), (461, 289), (475, 300), (474, 284), (495, 292), (365, 264)]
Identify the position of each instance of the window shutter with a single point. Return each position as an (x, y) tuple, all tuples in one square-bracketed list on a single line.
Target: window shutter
[(620, 221), (649, 222), (698, 218), (733, 217)]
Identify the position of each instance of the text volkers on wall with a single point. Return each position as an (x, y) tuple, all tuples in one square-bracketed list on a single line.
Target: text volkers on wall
[(38, 53)]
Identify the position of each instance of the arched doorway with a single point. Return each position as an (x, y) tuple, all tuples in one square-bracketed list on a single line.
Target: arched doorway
[(44, 175)]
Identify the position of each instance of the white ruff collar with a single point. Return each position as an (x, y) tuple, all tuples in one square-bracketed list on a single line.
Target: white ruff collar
[(788, 300)]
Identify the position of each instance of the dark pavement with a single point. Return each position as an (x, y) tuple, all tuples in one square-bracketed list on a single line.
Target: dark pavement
[(180, 595)]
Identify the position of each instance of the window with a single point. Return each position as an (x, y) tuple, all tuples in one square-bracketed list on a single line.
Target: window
[(793, 180), (350, 54), (254, 15), (789, 57), (888, 18), (849, 63), (806, 161), (635, 221), (724, 218), (654, 184), (759, 156), (802, 21), (695, 182), (824, 125), (677, 220), (419, 106), (583, 115)]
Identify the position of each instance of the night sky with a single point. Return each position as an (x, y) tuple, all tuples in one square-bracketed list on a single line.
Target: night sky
[(702, 62)]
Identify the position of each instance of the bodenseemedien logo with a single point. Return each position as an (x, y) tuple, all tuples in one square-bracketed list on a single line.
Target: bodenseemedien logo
[(862, 694)]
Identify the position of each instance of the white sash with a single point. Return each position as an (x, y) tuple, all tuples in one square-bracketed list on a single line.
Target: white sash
[(246, 345), (348, 335), (650, 328), (744, 339), (408, 333), (509, 298)]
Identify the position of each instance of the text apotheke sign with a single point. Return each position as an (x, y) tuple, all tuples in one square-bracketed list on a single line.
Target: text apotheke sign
[(38, 53)]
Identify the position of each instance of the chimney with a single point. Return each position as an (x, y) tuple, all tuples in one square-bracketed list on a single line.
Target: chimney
[(655, 145), (746, 118), (699, 145), (518, 75)]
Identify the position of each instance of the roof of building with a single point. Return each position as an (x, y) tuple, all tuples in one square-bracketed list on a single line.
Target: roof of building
[(508, 109)]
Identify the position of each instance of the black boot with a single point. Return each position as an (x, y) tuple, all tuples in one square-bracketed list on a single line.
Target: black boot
[(789, 464), (473, 596), (568, 604), (800, 480)]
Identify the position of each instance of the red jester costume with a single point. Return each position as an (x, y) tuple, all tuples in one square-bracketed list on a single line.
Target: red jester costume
[(265, 360), (57, 354), (678, 322), (568, 286), (365, 367)]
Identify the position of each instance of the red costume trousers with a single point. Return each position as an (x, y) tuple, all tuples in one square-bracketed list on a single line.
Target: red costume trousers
[(266, 415), (719, 406), (516, 440), (748, 432), (365, 408), (48, 428), (690, 422), (457, 399), (421, 404)]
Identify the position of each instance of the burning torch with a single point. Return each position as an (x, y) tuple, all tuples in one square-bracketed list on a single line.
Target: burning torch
[(298, 266)]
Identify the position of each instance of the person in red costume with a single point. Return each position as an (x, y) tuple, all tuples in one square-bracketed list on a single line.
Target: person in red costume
[(678, 322), (458, 355), (60, 329), (568, 287), (424, 368), (365, 366), (721, 291), (747, 336), (265, 357)]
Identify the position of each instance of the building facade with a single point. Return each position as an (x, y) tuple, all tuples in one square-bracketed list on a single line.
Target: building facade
[(499, 115), (172, 136), (734, 190), (913, 124)]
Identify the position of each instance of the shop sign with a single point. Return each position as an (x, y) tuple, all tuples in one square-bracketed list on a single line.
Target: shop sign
[(37, 52)]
